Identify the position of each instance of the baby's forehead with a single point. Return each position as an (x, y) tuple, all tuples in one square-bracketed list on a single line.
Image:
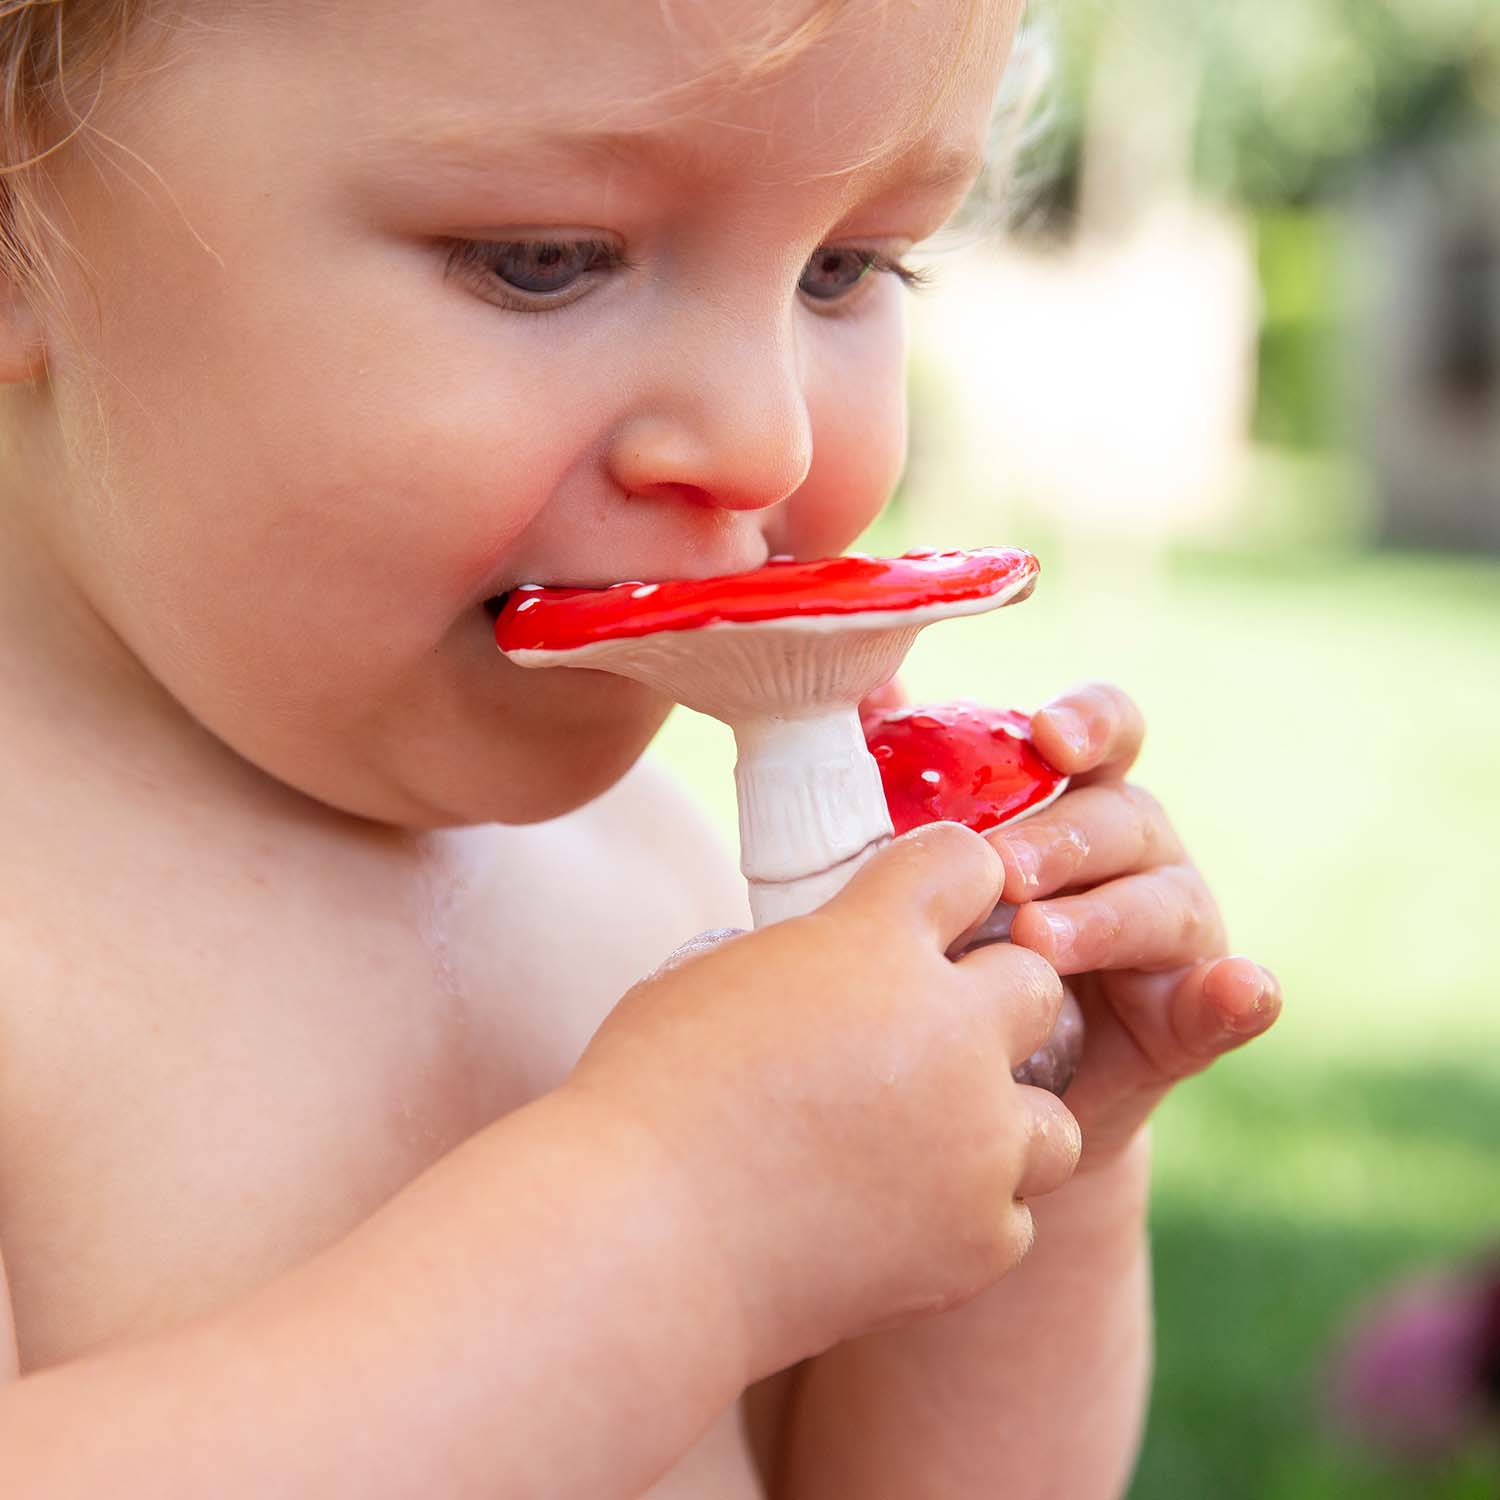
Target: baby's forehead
[(782, 92), (687, 147)]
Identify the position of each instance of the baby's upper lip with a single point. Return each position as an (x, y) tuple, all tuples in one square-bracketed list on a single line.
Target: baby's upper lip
[(562, 579)]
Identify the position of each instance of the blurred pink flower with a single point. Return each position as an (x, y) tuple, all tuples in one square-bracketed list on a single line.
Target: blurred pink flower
[(1418, 1376)]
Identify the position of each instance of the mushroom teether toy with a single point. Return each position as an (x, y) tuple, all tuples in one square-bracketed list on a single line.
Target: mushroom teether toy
[(782, 655), (977, 766)]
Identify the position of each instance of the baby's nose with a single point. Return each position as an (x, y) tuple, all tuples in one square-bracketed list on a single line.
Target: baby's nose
[(732, 433)]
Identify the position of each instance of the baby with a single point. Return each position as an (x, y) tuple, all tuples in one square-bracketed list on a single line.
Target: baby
[(344, 1149)]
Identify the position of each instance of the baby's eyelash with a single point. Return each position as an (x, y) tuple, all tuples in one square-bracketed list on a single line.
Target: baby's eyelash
[(601, 257), (481, 254), (909, 276)]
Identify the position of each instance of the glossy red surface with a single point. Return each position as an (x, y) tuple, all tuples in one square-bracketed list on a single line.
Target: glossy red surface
[(958, 761), (559, 619)]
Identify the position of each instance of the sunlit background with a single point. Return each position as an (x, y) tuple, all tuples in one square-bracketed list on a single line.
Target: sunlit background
[(1235, 377)]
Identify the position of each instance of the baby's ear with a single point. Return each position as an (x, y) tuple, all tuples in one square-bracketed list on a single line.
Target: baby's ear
[(23, 341)]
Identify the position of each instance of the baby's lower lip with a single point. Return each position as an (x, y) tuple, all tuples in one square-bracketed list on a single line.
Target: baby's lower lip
[(496, 602)]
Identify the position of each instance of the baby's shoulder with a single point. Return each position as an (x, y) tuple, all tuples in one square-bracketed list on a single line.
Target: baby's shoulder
[(640, 870), (580, 908), (655, 843)]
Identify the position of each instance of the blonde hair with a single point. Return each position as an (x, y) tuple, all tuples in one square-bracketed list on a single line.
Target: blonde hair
[(52, 53)]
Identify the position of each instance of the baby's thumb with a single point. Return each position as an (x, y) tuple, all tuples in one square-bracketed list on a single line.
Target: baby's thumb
[(942, 876)]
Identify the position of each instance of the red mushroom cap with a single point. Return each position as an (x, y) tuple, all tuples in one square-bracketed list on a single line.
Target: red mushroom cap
[(960, 762), (561, 619)]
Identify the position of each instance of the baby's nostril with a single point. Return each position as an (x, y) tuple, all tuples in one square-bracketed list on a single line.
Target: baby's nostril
[(494, 604)]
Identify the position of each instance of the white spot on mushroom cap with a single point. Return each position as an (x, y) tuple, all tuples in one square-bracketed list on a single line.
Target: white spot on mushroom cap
[(527, 604), (645, 591), (932, 776), (528, 588)]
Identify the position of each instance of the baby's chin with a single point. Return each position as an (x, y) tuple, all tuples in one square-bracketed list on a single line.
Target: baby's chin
[(557, 764), (567, 740)]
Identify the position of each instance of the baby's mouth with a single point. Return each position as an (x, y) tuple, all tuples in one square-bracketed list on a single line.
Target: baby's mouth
[(496, 602), (730, 562)]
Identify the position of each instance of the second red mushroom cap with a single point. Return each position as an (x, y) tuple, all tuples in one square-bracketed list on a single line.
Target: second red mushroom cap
[(959, 762)]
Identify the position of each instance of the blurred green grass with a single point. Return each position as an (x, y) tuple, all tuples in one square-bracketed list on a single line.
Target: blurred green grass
[(1325, 731)]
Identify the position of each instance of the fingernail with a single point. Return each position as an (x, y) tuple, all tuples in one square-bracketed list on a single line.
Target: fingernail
[(1257, 1015), (1069, 727), (1062, 931)]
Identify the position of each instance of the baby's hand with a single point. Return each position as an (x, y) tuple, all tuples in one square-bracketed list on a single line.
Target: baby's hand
[(835, 1095), (1115, 901)]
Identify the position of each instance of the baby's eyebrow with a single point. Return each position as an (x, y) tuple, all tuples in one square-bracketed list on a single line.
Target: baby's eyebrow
[(461, 150)]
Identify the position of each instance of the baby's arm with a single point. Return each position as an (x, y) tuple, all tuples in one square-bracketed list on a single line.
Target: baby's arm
[(1036, 1388), (564, 1303), (538, 1314)]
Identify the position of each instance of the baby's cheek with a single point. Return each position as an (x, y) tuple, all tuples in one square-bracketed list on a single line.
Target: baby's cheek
[(859, 451)]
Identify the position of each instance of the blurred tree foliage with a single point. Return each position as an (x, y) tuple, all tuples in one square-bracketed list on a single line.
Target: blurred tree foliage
[(1298, 397), (1278, 103), (1290, 92)]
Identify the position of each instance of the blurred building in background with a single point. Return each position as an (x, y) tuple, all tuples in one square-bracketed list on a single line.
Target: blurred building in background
[(1425, 323), (1256, 301)]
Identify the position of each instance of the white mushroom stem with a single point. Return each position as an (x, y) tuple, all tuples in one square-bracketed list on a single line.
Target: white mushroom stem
[(811, 808)]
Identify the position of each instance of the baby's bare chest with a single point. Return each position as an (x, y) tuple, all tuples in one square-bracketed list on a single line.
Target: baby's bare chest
[(191, 1106)]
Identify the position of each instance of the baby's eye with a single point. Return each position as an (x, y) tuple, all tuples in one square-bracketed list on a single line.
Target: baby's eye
[(538, 269), (833, 273), (547, 265)]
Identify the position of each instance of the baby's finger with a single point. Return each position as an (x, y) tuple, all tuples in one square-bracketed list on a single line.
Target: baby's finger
[(889, 695), (1025, 990), (1093, 733), (1088, 836), (1181, 1021), (941, 875), (1219, 1006), (1163, 919), (1054, 1144)]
